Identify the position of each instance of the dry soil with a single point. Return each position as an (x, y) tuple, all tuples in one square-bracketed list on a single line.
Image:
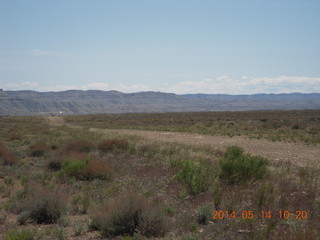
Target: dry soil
[(297, 153)]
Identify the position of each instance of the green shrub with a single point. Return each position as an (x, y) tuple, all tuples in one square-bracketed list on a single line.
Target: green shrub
[(43, 206), (239, 168), (74, 168), (20, 235), (87, 169), (58, 233), (23, 217), (196, 178), (169, 210), (217, 193), (80, 203), (127, 215), (79, 229), (263, 196)]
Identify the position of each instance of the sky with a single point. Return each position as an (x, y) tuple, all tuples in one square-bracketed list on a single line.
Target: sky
[(178, 46)]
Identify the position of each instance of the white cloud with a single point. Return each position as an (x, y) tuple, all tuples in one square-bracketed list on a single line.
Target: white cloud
[(170, 75), (95, 86), (90, 86), (285, 79), (132, 88), (221, 85), (248, 85), (23, 86), (58, 88)]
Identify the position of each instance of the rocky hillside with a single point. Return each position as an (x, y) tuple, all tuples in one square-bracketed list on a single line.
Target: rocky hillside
[(94, 101)]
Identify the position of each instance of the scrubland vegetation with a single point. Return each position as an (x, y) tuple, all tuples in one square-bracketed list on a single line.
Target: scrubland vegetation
[(293, 126), (59, 182)]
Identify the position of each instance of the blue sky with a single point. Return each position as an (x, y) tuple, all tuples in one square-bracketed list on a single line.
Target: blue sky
[(180, 46)]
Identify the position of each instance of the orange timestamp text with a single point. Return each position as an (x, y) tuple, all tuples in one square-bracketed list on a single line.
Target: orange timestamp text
[(261, 214)]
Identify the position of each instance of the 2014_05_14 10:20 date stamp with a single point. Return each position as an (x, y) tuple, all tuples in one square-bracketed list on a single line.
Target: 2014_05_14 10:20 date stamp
[(249, 214)]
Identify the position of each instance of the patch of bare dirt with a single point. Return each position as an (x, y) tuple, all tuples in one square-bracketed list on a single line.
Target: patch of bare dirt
[(56, 121), (297, 153)]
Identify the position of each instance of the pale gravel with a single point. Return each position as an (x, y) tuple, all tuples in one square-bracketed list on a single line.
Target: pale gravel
[(296, 153)]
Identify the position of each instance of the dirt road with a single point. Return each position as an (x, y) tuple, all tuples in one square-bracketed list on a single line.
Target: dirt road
[(297, 153)]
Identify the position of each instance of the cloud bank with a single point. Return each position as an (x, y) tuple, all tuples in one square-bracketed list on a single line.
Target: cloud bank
[(221, 85), (247, 85)]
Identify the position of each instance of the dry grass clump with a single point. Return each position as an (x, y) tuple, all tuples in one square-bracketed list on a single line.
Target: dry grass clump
[(127, 215), (6, 156), (14, 136), (38, 150), (43, 206), (108, 145), (83, 146), (73, 155), (97, 168)]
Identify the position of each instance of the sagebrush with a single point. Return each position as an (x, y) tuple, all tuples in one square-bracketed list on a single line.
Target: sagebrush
[(239, 168), (6, 156), (43, 206), (127, 215), (196, 177)]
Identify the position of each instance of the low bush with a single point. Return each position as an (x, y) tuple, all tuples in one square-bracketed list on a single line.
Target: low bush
[(217, 193), (239, 168), (128, 215), (38, 150), (6, 156), (97, 168), (43, 206), (74, 168), (80, 203), (87, 169), (15, 234), (204, 214), (108, 145), (196, 177), (264, 196), (54, 164), (83, 146)]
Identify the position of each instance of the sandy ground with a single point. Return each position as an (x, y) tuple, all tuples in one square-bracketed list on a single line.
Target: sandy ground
[(56, 121), (297, 153)]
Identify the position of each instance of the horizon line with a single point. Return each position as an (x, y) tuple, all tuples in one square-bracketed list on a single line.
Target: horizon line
[(81, 90)]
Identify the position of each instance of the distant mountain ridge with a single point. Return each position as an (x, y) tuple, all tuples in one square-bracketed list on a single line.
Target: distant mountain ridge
[(95, 101)]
